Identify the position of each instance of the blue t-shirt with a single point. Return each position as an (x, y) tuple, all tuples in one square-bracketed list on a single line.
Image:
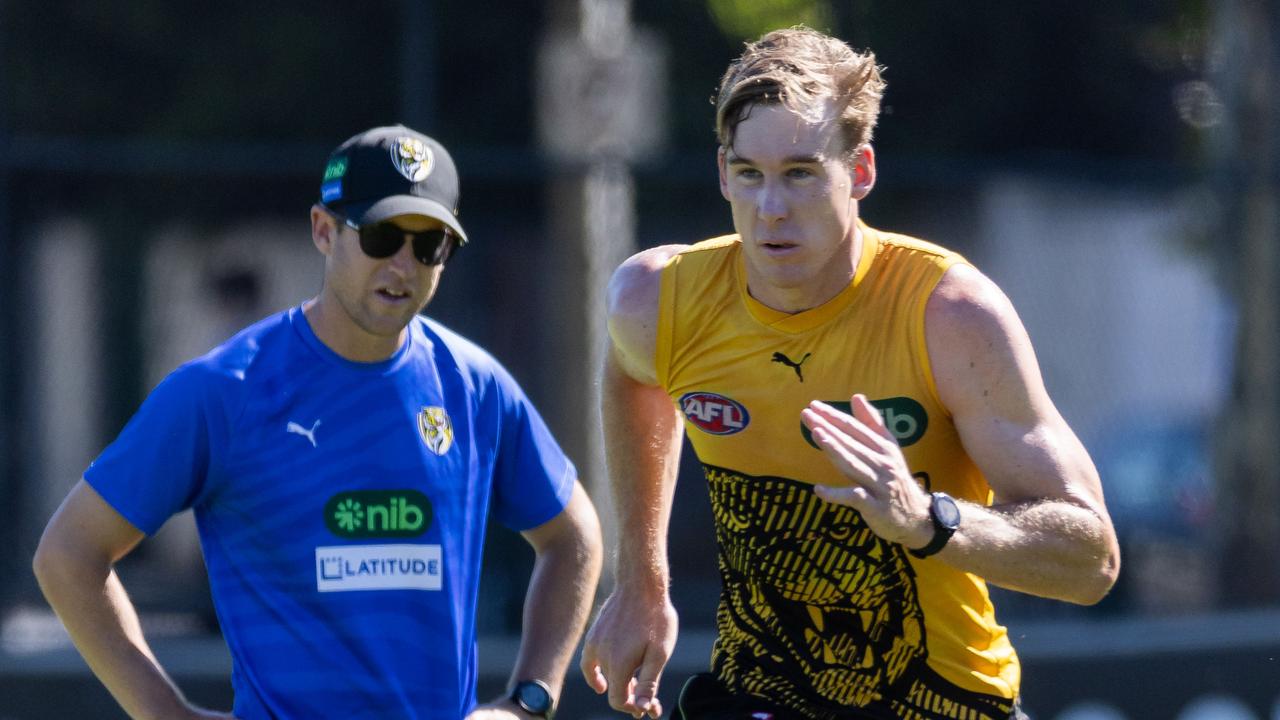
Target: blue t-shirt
[(342, 508)]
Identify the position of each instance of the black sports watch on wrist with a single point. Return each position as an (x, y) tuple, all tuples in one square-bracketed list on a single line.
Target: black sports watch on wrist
[(945, 515), (534, 697)]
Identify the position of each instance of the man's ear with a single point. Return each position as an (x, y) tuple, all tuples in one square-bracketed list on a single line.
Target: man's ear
[(864, 172), (724, 173), (324, 229)]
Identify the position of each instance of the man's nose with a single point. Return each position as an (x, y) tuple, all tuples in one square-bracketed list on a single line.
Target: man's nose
[(771, 203), (403, 260)]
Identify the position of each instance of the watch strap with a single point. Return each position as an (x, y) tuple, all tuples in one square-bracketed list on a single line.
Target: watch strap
[(941, 532)]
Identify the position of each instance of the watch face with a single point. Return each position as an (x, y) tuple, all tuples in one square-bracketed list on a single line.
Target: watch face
[(533, 697), (946, 510)]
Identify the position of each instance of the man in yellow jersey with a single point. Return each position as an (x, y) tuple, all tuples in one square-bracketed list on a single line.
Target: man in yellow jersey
[(874, 431)]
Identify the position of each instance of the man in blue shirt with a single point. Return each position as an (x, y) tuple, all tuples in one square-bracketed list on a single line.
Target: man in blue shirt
[(342, 459)]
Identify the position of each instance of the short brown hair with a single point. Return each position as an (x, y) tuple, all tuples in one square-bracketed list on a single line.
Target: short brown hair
[(802, 69)]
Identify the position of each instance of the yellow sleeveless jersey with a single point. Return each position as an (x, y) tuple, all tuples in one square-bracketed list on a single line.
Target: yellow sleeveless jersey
[(817, 613)]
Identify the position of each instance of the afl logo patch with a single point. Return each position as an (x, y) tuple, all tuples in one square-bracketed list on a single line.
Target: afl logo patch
[(435, 428), (713, 413)]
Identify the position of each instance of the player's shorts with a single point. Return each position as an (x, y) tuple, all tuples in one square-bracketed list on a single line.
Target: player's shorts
[(704, 698)]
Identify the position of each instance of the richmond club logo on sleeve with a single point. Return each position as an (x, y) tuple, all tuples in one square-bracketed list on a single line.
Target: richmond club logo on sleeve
[(714, 413)]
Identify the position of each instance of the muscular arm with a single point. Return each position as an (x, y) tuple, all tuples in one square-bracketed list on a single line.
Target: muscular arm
[(74, 565), (634, 635), (1048, 532)]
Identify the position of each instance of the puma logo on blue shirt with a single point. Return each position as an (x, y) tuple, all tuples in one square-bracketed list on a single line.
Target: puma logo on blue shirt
[(297, 429)]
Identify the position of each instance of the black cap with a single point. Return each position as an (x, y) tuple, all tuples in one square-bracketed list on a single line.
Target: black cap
[(389, 171)]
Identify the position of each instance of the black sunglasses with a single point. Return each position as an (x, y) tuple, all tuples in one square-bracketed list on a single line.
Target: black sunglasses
[(383, 239)]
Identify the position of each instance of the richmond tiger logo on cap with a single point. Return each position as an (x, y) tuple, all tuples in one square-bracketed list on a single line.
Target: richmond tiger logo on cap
[(412, 158)]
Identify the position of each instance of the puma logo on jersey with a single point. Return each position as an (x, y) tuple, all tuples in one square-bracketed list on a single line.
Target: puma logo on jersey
[(297, 429), (780, 358)]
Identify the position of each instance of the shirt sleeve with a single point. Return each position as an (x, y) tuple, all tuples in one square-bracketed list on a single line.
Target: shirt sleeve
[(533, 478), (158, 464)]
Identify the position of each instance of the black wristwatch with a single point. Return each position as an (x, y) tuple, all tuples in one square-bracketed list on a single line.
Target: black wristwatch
[(946, 519), (534, 697)]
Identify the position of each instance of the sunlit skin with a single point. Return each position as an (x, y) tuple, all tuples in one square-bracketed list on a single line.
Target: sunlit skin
[(366, 303), (794, 197), (794, 190)]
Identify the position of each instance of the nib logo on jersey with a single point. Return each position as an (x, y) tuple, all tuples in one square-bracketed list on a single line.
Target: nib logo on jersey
[(360, 514), (905, 418), (378, 513), (714, 413)]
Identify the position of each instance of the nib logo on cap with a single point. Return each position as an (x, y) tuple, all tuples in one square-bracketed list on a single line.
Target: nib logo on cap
[(331, 187), (412, 158)]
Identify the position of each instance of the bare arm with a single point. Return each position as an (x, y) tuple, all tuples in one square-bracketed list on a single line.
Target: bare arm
[(560, 594), (635, 633), (1048, 532), (74, 565)]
